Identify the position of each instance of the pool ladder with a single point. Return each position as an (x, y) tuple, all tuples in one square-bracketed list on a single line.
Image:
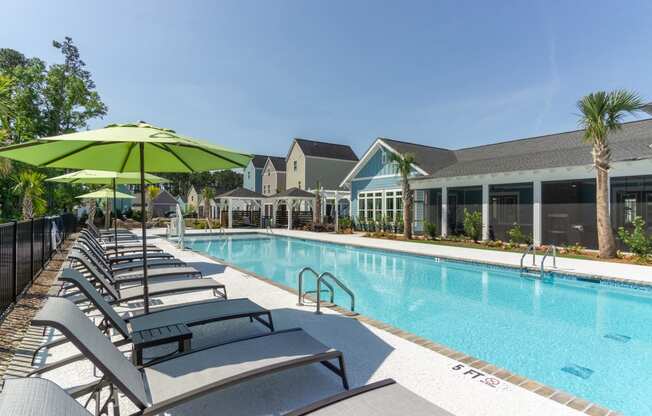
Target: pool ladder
[(321, 279), (530, 249)]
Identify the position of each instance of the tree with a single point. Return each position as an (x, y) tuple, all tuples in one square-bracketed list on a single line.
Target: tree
[(6, 110), (601, 114), (404, 164), (29, 184), (207, 194), (151, 192)]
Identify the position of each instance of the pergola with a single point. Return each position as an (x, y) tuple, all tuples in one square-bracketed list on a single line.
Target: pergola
[(335, 196), (241, 194), (291, 197)]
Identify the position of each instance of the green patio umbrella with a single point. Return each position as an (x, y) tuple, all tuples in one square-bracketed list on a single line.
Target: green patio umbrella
[(136, 147), (106, 193), (104, 177)]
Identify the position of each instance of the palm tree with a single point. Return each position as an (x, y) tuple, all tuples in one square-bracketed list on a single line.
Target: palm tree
[(318, 204), (29, 184), (601, 114), (151, 194), (404, 164), (207, 194)]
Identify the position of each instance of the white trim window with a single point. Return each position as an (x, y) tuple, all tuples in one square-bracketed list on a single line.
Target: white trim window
[(379, 205)]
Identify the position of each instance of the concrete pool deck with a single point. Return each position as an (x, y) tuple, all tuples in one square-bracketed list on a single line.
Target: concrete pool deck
[(371, 353)]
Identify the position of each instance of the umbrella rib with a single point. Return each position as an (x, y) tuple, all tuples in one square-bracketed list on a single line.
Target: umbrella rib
[(166, 147), (124, 162), (214, 154), (72, 152)]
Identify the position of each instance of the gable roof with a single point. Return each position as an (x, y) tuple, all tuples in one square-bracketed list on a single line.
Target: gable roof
[(164, 197), (293, 193), (259, 161), (278, 163), (632, 142), (241, 193), (323, 149)]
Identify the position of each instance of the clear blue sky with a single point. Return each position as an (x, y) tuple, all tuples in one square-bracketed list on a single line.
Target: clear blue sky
[(254, 74)]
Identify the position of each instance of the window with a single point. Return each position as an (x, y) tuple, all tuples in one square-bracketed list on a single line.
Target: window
[(269, 172), (505, 209), (376, 206), (383, 157), (294, 167), (248, 174), (630, 210), (299, 184)]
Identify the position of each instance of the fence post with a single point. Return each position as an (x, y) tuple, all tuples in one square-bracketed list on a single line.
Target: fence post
[(43, 221), (14, 262), (31, 248)]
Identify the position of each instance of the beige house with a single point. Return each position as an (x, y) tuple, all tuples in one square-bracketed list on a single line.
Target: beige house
[(309, 162), (273, 176), (193, 200)]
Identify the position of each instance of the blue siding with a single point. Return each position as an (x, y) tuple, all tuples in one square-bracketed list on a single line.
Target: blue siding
[(253, 178), (375, 166)]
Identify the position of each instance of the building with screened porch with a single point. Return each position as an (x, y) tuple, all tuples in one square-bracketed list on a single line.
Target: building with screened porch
[(545, 185)]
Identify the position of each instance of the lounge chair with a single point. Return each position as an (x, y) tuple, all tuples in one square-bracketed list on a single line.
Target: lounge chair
[(131, 246), (129, 261), (189, 314), (38, 397), (383, 398), (155, 288), (134, 277), (128, 253), (168, 382)]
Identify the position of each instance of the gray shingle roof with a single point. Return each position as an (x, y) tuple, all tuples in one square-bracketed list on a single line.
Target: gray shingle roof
[(259, 161), (632, 142), (323, 149), (427, 158), (165, 198), (278, 163), (294, 193), (241, 193)]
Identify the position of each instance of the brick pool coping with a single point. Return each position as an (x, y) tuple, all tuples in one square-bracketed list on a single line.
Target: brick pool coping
[(559, 396)]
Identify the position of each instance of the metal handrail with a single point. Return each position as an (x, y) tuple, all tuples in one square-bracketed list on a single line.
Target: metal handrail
[(554, 257), (527, 251), (339, 283), (301, 294)]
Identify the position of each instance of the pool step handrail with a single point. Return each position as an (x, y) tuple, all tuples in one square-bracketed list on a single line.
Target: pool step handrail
[(329, 275), (302, 294), (553, 249), (529, 249)]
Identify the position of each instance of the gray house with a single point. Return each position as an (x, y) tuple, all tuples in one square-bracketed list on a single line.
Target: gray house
[(273, 180)]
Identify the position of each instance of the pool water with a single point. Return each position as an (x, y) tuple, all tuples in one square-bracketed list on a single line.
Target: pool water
[(590, 339)]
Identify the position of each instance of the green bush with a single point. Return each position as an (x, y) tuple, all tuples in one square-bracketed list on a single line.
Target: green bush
[(473, 224), (430, 229), (637, 241), (517, 236)]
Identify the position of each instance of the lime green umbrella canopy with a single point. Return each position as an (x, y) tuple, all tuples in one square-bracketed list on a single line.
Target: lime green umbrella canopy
[(105, 193), (117, 148), (104, 177)]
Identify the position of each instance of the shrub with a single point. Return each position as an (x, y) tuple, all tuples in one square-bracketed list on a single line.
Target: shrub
[(576, 249), (517, 236), (637, 241), (430, 229), (473, 224), (345, 225)]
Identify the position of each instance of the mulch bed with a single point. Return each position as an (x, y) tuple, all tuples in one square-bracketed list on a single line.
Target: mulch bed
[(16, 323)]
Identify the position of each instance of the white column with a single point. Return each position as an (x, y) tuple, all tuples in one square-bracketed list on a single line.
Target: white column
[(230, 214), (536, 213), (337, 212), (261, 208), (485, 211), (289, 205), (274, 206), (444, 211)]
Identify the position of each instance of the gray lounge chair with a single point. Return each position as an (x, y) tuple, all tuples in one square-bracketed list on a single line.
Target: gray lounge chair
[(383, 398), (110, 253), (110, 247), (190, 314), (129, 261), (168, 382), (37, 397), (132, 277)]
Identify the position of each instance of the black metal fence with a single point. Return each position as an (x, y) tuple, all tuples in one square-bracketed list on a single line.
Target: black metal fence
[(25, 248)]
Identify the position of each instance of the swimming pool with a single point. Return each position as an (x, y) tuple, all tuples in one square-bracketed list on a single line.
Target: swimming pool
[(590, 339)]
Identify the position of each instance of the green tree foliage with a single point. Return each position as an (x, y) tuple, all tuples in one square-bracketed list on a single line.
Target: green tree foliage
[(473, 224), (637, 240), (403, 165), (40, 100), (29, 186), (517, 236), (430, 229), (220, 181)]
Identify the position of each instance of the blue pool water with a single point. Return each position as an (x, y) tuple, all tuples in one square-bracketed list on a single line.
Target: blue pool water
[(599, 333)]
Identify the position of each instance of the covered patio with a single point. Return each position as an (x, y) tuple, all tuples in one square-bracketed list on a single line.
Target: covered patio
[(249, 200), (287, 207)]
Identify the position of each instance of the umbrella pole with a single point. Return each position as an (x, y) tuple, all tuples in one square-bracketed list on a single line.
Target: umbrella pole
[(115, 223), (144, 227)]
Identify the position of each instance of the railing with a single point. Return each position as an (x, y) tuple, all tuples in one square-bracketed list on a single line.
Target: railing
[(25, 248), (316, 275), (320, 280), (554, 257), (529, 249)]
